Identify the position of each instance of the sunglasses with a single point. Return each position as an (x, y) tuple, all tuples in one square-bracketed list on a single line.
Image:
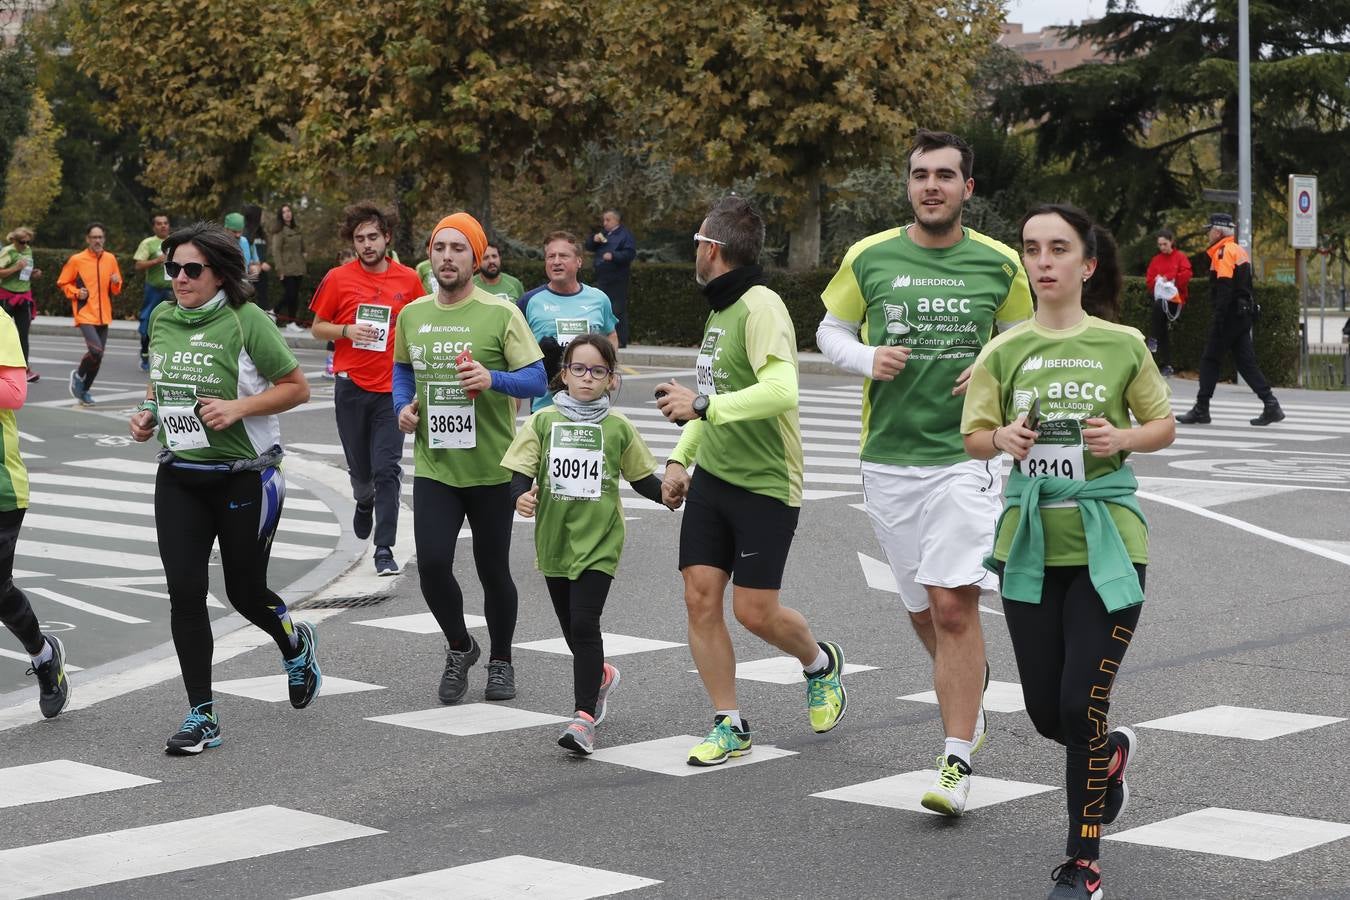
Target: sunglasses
[(193, 269), (19, 243), (703, 238), (599, 373)]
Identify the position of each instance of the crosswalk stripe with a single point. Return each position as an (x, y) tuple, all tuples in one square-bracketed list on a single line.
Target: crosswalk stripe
[(145, 488), (61, 779), (125, 531), (1272, 430), (39, 499), (28, 661), (93, 556), (116, 856), (507, 878), (83, 606)]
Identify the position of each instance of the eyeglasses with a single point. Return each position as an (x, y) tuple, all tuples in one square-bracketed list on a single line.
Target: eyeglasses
[(704, 239), (599, 373), (193, 269)]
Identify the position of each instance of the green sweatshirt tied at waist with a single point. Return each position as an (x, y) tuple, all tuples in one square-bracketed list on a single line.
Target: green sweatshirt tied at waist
[(1109, 565)]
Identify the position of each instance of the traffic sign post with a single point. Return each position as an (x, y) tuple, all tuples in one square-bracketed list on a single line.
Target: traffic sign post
[(1303, 212)]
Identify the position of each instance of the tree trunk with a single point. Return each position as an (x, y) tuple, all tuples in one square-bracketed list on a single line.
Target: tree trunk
[(804, 239), (478, 190)]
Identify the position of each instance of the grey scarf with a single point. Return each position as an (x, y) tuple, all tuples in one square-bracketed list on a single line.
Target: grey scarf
[(574, 409)]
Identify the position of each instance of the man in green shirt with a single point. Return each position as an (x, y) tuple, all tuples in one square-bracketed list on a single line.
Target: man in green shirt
[(741, 429), (492, 279), (150, 262), (926, 298)]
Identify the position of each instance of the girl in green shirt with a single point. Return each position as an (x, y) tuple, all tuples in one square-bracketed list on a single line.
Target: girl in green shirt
[(1058, 394), (578, 449)]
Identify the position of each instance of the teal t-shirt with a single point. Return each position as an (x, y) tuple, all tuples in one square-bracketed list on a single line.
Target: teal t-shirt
[(147, 250), (942, 304), (565, 316)]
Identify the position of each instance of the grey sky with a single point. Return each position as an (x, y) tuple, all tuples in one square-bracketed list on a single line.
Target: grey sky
[(1036, 14)]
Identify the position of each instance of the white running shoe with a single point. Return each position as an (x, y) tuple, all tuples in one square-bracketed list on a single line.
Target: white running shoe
[(949, 792)]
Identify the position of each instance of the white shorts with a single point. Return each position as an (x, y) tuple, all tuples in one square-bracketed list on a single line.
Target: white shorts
[(935, 523)]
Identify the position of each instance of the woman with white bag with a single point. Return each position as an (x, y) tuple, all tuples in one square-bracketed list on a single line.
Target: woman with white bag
[(1168, 275)]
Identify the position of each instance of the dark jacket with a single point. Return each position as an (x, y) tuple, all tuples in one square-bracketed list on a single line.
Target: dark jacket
[(618, 242)]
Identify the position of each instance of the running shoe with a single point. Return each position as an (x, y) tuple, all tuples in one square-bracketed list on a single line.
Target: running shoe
[(53, 688), (362, 520), (1152, 344), (1075, 880), (328, 367), (33, 377), (385, 564), (608, 683), (501, 680), (721, 744), (826, 698), (76, 384), (201, 729), (579, 735), (981, 724), (949, 792), (302, 671), (86, 399), (145, 364), (1168, 371), (1124, 745), (455, 679)]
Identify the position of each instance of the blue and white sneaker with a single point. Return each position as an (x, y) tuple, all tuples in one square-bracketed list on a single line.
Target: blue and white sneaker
[(302, 670), (201, 729), (76, 384), (86, 399)]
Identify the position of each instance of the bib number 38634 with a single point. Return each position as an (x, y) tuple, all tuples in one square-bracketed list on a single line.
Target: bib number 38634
[(576, 460), (1057, 453), (450, 418)]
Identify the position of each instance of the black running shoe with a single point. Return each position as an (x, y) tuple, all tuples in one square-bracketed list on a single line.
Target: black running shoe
[(53, 687), (302, 671), (385, 564), (363, 520), (201, 729), (455, 680), (501, 681), (1120, 739), (1075, 880)]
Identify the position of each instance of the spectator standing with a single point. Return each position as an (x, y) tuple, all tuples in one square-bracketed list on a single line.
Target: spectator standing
[(234, 224), (1168, 277), (614, 250), (16, 285), (149, 260), (90, 279), (288, 257), (256, 235)]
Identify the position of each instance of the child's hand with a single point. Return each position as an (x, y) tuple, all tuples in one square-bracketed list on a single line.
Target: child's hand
[(528, 502)]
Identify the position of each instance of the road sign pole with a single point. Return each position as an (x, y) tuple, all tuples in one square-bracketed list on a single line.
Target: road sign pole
[(1244, 223)]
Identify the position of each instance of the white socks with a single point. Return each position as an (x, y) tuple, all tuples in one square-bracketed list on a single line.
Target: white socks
[(958, 748), (822, 662), (45, 655), (735, 716)]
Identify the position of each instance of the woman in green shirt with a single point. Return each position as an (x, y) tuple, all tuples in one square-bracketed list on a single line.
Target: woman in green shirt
[(16, 285), (1057, 394)]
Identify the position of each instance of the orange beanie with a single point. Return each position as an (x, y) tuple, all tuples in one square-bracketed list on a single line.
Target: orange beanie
[(469, 227)]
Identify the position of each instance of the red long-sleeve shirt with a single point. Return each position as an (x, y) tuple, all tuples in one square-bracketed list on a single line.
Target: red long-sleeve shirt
[(1173, 266)]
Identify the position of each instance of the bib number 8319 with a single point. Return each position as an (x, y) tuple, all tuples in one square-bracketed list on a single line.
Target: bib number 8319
[(1056, 467)]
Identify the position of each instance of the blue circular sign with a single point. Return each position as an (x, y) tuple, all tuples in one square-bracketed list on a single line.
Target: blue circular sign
[(1304, 201)]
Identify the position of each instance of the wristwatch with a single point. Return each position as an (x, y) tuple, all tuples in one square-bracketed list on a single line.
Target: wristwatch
[(701, 406)]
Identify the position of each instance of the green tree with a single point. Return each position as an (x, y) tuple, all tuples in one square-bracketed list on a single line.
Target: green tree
[(33, 175), (16, 87), (795, 95)]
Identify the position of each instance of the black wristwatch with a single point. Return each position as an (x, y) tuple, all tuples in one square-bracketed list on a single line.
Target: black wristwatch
[(701, 406)]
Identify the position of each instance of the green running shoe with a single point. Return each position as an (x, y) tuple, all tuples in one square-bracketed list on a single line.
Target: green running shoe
[(721, 744), (826, 698)]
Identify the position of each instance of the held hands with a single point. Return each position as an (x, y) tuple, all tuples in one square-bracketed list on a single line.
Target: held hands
[(1015, 439), (888, 362), (674, 485), (678, 403), (1104, 439), (474, 376), (963, 380), (219, 414), (407, 418), (142, 425), (528, 502)]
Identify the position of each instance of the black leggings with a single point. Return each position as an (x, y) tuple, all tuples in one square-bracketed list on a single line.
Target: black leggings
[(194, 509), (578, 605), (1068, 650), (289, 307), (15, 610), (1164, 312), (95, 339), (439, 511)]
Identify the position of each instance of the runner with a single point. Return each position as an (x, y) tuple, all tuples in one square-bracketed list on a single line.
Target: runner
[(459, 358), (579, 448), (16, 285), (90, 279), (219, 375), (746, 492), (1073, 575), (46, 650), (564, 308), (492, 279), (150, 262), (928, 296), (356, 307)]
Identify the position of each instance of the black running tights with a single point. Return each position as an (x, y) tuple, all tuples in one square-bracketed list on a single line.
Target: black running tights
[(439, 511), (578, 604), (194, 509), (1068, 650), (15, 610)]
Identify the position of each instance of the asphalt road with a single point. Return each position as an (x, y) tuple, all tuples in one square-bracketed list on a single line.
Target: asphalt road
[(1246, 609)]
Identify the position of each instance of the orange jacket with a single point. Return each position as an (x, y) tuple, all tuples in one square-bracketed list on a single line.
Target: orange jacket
[(94, 274)]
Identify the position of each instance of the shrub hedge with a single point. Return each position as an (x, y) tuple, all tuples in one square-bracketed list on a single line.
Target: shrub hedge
[(666, 308)]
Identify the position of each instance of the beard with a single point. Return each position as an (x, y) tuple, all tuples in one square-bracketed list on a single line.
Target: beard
[(491, 271), (939, 227), (455, 282)]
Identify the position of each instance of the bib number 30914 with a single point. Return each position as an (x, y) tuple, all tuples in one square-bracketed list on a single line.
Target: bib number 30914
[(576, 460)]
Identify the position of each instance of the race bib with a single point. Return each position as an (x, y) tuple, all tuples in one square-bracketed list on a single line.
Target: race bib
[(26, 273), (183, 428), (576, 460), (570, 329), (703, 365), (450, 419), (1058, 453), (377, 317)]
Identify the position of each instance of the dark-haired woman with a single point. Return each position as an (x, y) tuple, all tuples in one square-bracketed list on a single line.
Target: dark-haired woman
[(1073, 573), (288, 256), (219, 375)]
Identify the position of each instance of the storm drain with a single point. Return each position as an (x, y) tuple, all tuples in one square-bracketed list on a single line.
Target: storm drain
[(361, 602)]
